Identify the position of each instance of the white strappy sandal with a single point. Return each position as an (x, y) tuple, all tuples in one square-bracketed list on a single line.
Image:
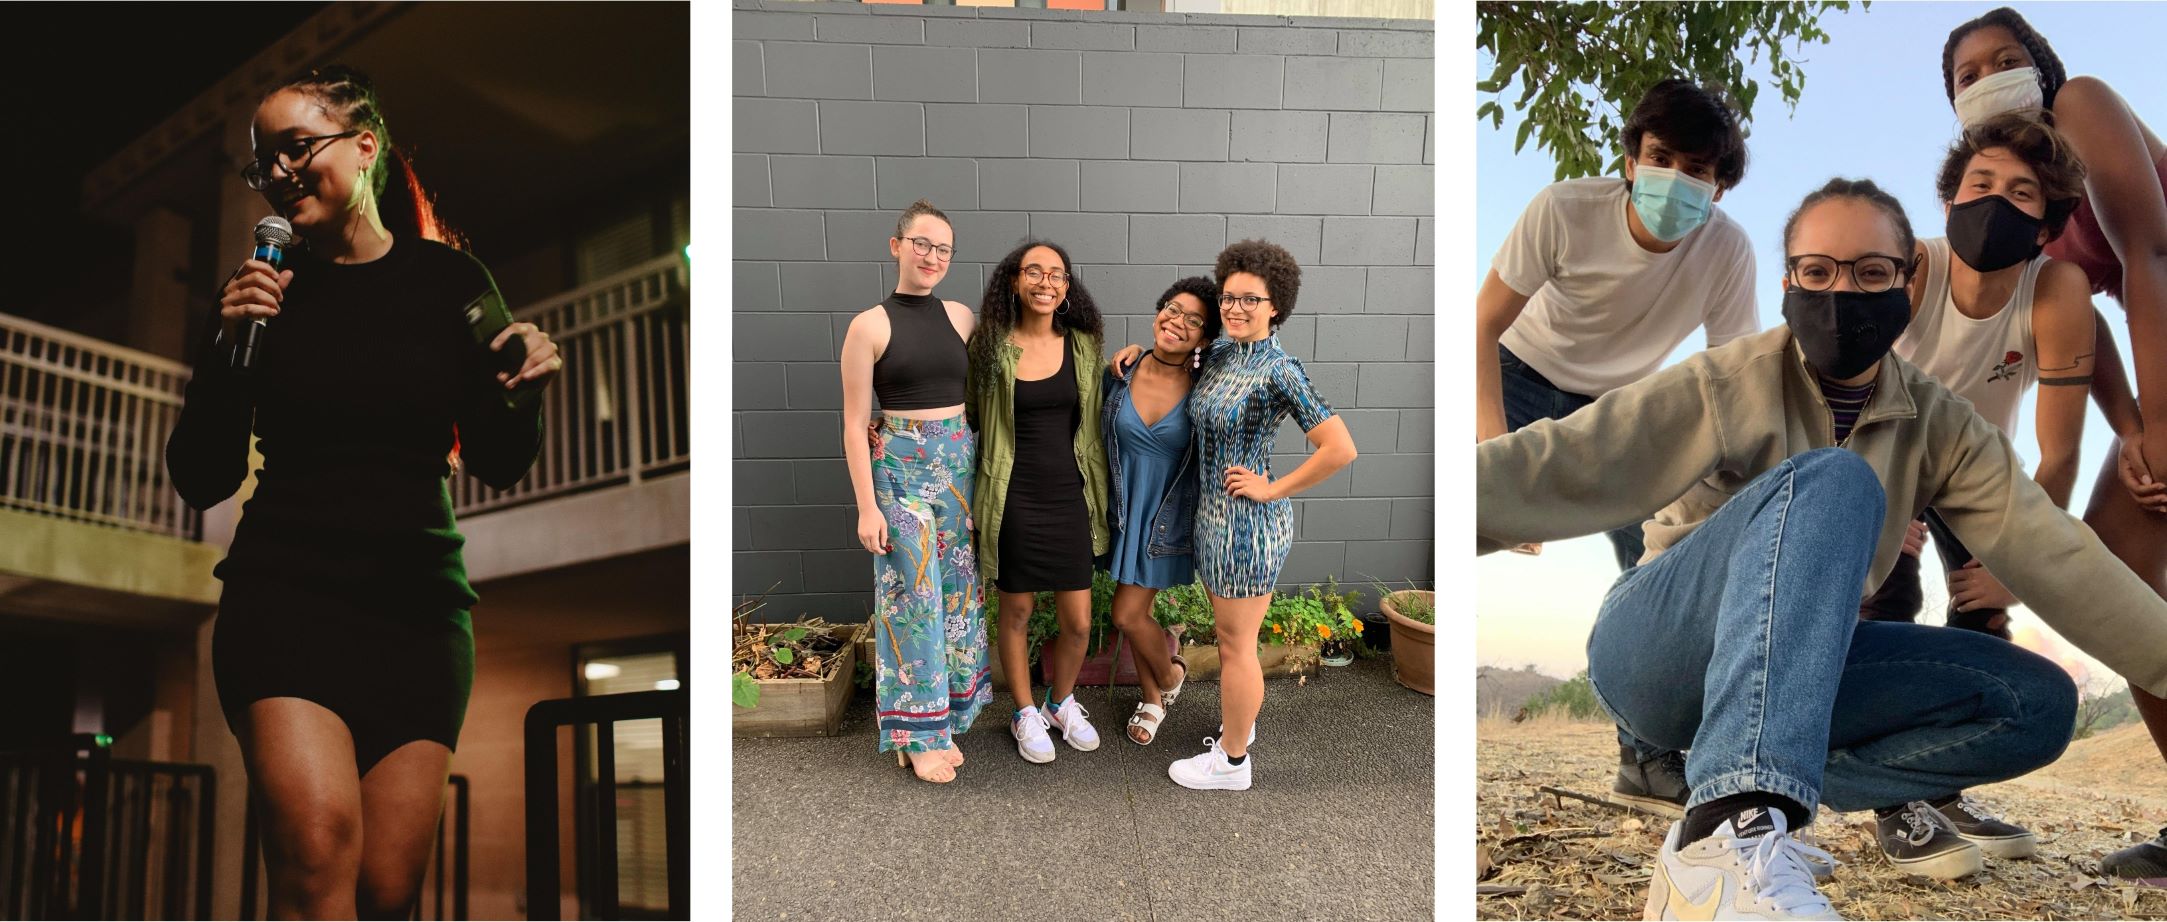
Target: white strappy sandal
[(1167, 696), (1147, 717)]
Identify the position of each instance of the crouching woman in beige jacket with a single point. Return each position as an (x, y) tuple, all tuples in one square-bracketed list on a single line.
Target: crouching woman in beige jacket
[(1782, 471)]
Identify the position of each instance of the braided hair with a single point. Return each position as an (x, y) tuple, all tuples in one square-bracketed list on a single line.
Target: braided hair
[(2051, 74), (349, 98), (1865, 190)]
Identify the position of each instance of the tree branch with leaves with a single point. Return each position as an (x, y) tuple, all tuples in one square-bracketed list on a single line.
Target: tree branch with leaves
[(1579, 67)]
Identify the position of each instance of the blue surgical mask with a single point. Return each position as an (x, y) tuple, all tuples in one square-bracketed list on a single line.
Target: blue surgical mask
[(1671, 203)]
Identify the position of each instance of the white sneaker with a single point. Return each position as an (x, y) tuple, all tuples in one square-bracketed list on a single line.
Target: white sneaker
[(1764, 874), (1252, 733), (1071, 719), (1032, 743), (1210, 771)]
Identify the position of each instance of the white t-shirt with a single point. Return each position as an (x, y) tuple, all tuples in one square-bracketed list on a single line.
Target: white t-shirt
[(1603, 313), (1991, 362)]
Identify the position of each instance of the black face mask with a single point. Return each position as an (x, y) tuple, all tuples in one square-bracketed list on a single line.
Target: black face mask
[(1992, 233), (1843, 333)]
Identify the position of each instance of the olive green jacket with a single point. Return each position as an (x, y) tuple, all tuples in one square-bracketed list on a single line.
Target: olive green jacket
[(991, 404), (1680, 443)]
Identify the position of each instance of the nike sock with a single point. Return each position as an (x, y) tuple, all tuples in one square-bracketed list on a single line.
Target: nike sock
[(1701, 821)]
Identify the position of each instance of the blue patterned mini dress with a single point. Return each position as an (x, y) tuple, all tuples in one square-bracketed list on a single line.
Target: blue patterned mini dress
[(1234, 411)]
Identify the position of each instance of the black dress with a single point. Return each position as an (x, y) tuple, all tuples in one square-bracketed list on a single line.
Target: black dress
[(1045, 524), (345, 585)]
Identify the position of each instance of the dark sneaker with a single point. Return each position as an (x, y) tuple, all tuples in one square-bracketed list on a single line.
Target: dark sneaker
[(2144, 861), (1654, 785), (1918, 840), (1995, 837)]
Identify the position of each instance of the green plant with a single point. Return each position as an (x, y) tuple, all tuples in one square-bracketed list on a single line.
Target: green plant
[(1188, 607), (1574, 698), (1409, 602)]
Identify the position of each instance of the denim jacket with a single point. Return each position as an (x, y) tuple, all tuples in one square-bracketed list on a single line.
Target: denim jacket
[(1171, 524)]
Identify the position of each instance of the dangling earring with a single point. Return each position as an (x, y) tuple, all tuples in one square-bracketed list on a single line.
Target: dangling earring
[(1196, 357)]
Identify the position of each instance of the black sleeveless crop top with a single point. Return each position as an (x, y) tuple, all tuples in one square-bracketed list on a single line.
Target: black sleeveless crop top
[(926, 362)]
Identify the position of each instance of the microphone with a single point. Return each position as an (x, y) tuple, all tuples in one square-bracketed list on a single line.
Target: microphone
[(273, 235)]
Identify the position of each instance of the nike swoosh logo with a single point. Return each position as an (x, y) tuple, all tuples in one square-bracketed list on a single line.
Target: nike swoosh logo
[(1686, 909)]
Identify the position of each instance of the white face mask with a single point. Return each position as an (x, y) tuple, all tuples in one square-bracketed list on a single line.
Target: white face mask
[(2016, 88)]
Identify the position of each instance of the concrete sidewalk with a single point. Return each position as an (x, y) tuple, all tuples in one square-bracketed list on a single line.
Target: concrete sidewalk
[(1337, 826)]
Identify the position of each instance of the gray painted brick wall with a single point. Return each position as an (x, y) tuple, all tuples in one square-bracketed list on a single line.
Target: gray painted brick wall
[(1144, 143)]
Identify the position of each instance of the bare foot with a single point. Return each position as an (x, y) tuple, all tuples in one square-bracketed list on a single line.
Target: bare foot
[(932, 766), (954, 752)]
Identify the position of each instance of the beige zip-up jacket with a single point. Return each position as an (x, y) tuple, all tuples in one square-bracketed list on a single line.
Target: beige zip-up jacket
[(1679, 443)]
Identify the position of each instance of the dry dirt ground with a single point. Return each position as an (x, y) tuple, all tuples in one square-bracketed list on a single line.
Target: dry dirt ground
[(1582, 861)]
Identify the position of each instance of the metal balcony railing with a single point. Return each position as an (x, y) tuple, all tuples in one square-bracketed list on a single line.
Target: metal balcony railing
[(618, 412), (595, 825), (83, 423), (83, 427), (86, 836)]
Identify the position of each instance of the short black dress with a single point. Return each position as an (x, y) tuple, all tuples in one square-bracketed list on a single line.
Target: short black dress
[(345, 584), (1045, 523)]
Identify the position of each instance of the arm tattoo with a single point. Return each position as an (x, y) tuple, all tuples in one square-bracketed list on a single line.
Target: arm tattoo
[(2077, 381), (2072, 364)]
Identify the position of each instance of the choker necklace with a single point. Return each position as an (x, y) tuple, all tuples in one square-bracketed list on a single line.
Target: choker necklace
[(1155, 354)]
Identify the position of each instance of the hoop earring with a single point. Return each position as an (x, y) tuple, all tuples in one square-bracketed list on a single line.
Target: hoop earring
[(1063, 309)]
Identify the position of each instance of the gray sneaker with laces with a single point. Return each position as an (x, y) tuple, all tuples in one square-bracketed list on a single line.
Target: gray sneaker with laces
[(1918, 840), (1996, 837)]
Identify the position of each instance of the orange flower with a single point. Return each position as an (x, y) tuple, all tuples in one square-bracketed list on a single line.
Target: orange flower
[(1276, 630), (1357, 625), (1324, 631)]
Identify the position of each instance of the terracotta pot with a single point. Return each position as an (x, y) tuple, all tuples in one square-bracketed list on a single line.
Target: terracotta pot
[(1414, 645)]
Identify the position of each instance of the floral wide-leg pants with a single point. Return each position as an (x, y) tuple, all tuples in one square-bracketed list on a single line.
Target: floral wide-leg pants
[(929, 626)]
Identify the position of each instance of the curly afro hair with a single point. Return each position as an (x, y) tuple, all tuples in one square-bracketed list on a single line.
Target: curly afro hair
[(1270, 262)]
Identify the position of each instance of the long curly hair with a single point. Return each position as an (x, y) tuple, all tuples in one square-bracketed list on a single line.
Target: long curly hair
[(1001, 309), (2051, 74)]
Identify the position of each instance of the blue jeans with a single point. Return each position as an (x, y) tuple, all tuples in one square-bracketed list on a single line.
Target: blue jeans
[(1801, 698), (1528, 397)]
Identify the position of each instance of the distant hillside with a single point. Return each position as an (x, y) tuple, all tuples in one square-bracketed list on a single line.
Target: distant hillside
[(1501, 692)]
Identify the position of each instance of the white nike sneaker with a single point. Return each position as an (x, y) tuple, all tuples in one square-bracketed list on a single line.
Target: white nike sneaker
[(1032, 743), (1209, 770), (1762, 873), (1072, 720)]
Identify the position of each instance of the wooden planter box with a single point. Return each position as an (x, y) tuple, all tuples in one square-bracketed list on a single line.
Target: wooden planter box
[(804, 707)]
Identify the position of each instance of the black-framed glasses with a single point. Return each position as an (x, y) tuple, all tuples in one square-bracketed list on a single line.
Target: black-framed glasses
[(292, 156), (1035, 275), (924, 245), (1247, 302), (1871, 273), (1195, 321)]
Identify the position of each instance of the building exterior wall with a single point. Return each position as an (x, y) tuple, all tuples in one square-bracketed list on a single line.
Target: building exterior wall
[(1144, 143)]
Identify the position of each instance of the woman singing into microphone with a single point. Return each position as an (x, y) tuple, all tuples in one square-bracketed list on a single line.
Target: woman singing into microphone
[(343, 651)]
